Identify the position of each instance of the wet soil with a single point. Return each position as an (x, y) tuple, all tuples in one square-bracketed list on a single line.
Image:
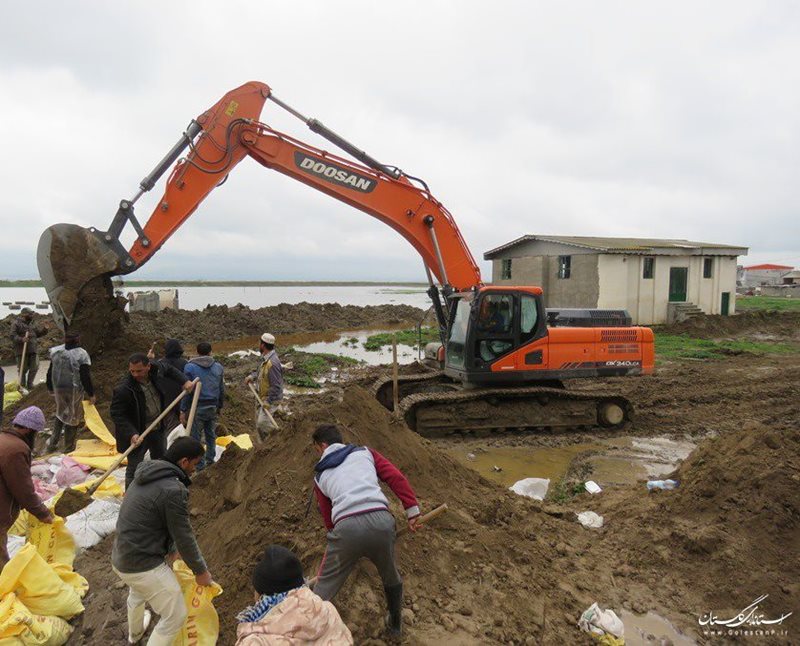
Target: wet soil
[(499, 568)]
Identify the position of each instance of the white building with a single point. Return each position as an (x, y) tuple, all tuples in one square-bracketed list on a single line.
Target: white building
[(656, 281)]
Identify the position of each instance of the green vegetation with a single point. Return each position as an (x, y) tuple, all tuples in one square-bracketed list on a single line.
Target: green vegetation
[(404, 337), (308, 367), (21, 283), (767, 303), (670, 346), (565, 490)]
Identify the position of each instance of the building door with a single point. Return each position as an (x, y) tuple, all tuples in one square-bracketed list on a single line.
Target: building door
[(726, 303), (677, 284)]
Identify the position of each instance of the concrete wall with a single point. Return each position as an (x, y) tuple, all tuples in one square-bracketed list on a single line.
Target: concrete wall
[(622, 285), (758, 277), (784, 291)]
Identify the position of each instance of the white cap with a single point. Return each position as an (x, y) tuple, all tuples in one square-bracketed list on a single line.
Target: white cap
[(268, 338)]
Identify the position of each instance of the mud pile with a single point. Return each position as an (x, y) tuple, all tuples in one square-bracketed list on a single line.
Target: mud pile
[(763, 325), (729, 534), (220, 322)]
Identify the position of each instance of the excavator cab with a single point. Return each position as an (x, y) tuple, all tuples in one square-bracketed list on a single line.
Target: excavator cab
[(490, 324)]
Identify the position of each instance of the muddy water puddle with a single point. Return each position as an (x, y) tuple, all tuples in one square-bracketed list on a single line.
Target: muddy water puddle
[(652, 629), (508, 465), (349, 343), (613, 461)]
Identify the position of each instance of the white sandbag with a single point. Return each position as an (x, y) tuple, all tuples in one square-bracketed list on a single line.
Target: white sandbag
[(14, 544), (597, 621), (175, 433), (590, 519), (535, 488), (90, 525)]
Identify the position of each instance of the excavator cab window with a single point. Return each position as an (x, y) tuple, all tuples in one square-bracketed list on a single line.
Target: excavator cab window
[(494, 327), (457, 343)]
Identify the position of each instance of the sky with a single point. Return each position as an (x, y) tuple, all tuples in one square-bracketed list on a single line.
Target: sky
[(657, 119)]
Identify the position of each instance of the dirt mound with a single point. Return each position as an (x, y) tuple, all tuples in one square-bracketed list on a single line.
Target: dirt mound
[(220, 322), (760, 324)]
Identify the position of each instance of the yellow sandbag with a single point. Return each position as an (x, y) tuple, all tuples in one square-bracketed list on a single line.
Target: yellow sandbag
[(56, 545), (95, 453), (243, 441), (96, 424), (11, 386), (20, 526), (109, 488), (38, 586), (20, 627), (202, 624), (11, 398)]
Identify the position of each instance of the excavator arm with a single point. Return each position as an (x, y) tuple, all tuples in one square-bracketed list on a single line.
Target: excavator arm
[(70, 256)]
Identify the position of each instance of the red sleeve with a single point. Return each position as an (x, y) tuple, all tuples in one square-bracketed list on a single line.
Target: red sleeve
[(397, 482), (325, 507)]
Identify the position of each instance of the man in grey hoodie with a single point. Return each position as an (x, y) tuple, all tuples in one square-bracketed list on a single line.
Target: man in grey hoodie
[(153, 528)]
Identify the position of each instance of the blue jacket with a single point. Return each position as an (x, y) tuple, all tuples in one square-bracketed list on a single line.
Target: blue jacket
[(212, 386)]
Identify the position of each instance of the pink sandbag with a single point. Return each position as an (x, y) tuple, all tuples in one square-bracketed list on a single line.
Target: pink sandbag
[(71, 472), (45, 490)]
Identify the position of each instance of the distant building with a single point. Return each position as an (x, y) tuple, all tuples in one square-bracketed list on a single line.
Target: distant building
[(761, 275), (656, 281), (792, 278)]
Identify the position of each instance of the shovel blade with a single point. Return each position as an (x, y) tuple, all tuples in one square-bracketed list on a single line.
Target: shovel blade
[(69, 256), (71, 502)]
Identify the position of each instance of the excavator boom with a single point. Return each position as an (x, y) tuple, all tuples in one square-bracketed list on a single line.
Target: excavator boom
[(70, 256)]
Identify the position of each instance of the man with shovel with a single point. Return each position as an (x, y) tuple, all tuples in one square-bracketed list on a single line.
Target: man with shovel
[(16, 487), (269, 384), (24, 335), (153, 529), (137, 401), (356, 514)]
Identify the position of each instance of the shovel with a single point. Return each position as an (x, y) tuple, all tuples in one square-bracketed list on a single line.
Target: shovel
[(72, 501), (22, 366), (263, 405)]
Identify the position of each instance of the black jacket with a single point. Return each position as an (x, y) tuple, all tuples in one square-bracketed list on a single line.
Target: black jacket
[(128, 403), (173, 356), (154, 520)]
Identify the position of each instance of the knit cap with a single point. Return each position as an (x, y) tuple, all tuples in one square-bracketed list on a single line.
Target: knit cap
[(31, 417), (279, 571)]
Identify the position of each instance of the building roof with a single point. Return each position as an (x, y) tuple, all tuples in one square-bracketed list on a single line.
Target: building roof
[(640, 246), (769, 266), (793, 274)]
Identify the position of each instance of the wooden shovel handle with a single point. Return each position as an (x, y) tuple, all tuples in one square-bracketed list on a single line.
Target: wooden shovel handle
[(263, 405), (424, 518), (133, 447)]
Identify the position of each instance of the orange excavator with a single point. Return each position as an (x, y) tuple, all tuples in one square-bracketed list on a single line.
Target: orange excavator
[(502, 365)]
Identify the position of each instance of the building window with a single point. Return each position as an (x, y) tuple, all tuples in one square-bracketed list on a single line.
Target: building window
[(649, 268), (564, 263), (708, 267), (505, 269)]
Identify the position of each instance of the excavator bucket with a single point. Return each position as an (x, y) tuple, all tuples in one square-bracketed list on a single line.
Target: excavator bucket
[(69, 257)]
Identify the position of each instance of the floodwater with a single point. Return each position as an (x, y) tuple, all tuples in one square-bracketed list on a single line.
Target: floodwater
[(349, 343), (509, 464), (652, 629), (614, 461), (197, 297)]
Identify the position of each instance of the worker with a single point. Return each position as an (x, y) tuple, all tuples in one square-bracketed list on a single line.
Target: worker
[(356, 513), (16, 486), (24, 335), (136, 403), (153, 529), (269, 383), (285, 610), (68, 379), (212, 396), (173, 356)]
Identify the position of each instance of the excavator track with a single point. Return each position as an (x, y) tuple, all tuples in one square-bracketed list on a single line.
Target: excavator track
[(434, 407)]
